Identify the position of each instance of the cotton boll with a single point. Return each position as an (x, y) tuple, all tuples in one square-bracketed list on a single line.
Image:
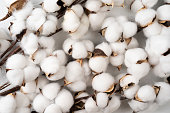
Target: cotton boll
[(17, 27), (136, 5), (102, 99), (89, 45), (149, 3), (164, 63), (138, 106), (79, 50), (74, 71), (22, 100), (153, 29), (130, 93), (78, 9), (64, 100), (47, 43), (41, 82), (107, 22), (29, 87), (83, 28), (159, 72), (61, 56), (128, 79), (53, 108), (8, 104), (51, 5), (113, 104), (121, 20), (34, 22), (77, 86), (105, 47), (102, 82), (87, 70), (38, 56), (134, 55), (139, 70), (24, 12), (71, 21), (49, 27), (4, 44), (31, 73), (29, 43), (142, 20), (108, 1), (96, 20), (51, 90), (31, 96), (68, 2), (67, 45), (90, 105), (40, 103), (50, 65), (118, 47), (163, 95), (23, 110), (98, 64), (129, 29), (117, 60), (119, 76), (93, 5), (15, 76), (113, 32), (59, 75), (162, 12), (146, 93), (133, 43)]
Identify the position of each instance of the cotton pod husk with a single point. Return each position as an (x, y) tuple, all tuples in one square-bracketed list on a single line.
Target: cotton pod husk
[(103, 82), (104, 48), (16, 61), (90, 105), (102, 100), (15, 76), (40, 103), (22, 100), (8, 104), (145, 94), (146, 20), (51, 90), (53, 108), (23, 110), (29, 87), (113, 104), (162, 92), (64, 100)]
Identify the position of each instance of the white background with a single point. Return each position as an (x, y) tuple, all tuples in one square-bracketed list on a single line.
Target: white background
[(96, 38)]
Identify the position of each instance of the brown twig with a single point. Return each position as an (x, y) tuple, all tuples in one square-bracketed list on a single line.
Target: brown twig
[(16, 50), (58, 30), (16, 88), (4, 85)]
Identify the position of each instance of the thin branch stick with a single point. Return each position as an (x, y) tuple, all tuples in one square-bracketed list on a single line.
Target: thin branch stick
[(16, 88), (58, 30), (4, 85)]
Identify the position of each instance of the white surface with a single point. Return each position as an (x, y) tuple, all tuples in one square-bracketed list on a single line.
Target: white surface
[(96, 38)]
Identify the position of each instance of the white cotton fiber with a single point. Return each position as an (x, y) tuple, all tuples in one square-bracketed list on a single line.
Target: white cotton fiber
[(53, 108), (146, 93), (162, 12), (102, 82), (41, 82), (145, 17), (117, 60), (8, 104), (64, 100), (107, 22), (87, 70), (79, 50), (29, 87), (51, 90), (67, 45), (118, 47), (38, 56), (78, 9), (149, 3), (16, 61), (49, 27), (23, 110), (74, 71), (77, 86), (122, 20), (113, 104), (90, 105), (93, 5), (105, 47), (50, 5), (102, 100), (133, 43), (136, 5), (158, 71), (89, 45), (163, 95), (40, 103), (15, 76), (129, 29), (98, 64), (22, 100), (4, 44), (29, 43), (68, 2), (130, 92), (61, 56), (50, 65)]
